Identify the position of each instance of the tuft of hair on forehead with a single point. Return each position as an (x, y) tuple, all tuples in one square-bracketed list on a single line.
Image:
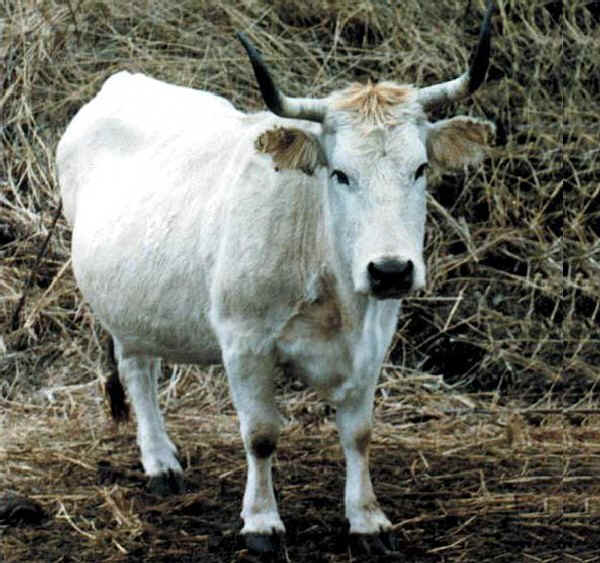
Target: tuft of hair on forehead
[(374, 103)]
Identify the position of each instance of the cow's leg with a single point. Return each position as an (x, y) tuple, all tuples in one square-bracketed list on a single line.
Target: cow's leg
[(139, 374), (251, 379), (368, 524)]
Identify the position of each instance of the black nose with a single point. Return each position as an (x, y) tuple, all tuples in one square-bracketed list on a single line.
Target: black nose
[(390, 278)]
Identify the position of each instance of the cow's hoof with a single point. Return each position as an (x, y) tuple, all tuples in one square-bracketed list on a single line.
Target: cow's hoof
[(374, 544), (264, 544), (165, 484)]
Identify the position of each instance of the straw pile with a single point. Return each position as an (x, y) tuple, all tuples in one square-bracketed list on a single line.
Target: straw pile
[(487, 442)]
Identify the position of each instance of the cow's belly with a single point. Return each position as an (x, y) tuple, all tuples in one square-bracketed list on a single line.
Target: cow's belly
[(199, 348), (148, 333)]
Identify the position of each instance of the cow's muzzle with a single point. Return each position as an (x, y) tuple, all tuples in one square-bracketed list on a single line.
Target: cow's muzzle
[(391, 278)]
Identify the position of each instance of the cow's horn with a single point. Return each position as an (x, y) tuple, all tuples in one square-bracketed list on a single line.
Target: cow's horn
[(278, 103), (468, 82)]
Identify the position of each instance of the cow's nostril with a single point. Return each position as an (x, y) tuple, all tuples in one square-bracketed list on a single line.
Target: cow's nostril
[(391, 278), (390, 267)]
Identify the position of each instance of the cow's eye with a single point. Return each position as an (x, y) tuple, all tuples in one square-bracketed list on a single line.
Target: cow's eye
[(340, 177), (421, 170)]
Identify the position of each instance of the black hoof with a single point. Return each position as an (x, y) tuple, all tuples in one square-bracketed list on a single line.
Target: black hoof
[(264, 544), (165, 484), (383, 543)]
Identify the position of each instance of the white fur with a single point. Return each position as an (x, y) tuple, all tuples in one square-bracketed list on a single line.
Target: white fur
[(191, 247)]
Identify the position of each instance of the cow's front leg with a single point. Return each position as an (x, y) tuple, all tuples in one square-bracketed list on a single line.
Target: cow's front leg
[(369, 526), (251, 379)]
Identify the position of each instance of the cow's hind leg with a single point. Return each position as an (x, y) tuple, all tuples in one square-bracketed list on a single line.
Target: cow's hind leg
[(139, 374), (251, 379)]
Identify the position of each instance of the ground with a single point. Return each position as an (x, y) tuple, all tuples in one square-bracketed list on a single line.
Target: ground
[(499, 484)]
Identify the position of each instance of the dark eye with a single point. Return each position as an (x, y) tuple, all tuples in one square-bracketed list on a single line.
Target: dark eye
[(341, 177), (420, 171)]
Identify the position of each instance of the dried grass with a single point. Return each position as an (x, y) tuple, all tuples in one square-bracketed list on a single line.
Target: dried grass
[(488, 412)]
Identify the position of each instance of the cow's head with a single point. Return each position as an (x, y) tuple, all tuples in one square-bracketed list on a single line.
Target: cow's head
[(376, 143)]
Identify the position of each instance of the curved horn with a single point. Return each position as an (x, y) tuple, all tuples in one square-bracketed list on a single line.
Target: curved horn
[(278, 103), (468, 82)]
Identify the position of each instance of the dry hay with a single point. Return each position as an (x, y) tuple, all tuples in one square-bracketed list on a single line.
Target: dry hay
[(487, 440), (458, 475)]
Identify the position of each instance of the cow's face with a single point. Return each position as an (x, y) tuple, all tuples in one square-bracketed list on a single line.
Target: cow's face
[(378, 145), (376, 192)]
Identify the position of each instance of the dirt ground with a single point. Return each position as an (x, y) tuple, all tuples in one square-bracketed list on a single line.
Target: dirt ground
[(487, 486), (487, 420)]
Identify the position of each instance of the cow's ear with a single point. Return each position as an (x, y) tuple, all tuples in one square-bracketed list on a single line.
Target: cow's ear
[(291, 149), (460, 141)]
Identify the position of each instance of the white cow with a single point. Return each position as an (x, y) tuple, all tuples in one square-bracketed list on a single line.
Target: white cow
[(267, 242)]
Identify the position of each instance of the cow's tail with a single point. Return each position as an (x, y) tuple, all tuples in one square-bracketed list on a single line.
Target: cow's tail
[(119, 408)]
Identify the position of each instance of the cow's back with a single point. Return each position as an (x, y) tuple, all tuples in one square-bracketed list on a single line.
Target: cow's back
[(133, 115)]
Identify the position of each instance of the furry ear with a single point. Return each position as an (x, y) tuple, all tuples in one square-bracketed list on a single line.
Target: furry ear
[(291, 149), (460, 141)]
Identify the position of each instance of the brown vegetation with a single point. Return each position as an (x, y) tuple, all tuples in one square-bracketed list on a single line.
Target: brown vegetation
[(487, 442)]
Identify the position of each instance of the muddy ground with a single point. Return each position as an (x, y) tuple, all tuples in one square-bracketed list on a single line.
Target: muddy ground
[(493, 486)]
